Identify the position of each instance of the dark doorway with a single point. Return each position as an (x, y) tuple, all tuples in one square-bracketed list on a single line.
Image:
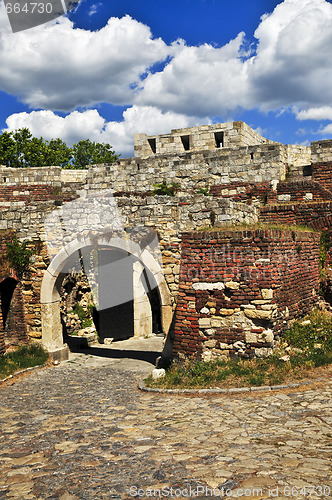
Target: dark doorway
[(151, 289), (115, 317), (7, 287)]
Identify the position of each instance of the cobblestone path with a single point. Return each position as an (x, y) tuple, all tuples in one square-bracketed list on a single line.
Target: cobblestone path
[(82, 430)]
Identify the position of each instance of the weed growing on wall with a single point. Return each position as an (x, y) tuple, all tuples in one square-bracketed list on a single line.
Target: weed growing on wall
[(166, 189), (83, 315), (19, 256), (325, 245)]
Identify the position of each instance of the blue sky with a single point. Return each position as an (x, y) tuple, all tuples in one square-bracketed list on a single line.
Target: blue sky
[(110, 69)]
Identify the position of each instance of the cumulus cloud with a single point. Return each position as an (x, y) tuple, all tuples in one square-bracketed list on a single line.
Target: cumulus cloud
[(200, 80), (55, 66), (59, 67), (292, 65), (322, 113), (327, 131), (293, 62), (90, 124)]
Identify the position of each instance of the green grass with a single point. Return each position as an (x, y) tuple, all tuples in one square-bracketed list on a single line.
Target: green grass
[(314, 339), (23, 357)]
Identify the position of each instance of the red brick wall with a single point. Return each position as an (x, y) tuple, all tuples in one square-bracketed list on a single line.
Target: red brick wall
[(243, 191), (32, 193), (16, 330), (269, 279), (309, 214), (16, 327), (297, 190), (322, 173)]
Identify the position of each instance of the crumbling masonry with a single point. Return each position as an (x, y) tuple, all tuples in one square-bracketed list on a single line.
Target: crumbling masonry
[(224, 289)]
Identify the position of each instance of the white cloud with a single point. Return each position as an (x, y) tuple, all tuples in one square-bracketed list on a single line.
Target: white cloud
[(55, 66), (321, 113), (90, 125), (327, 131), (94, 9), (199, 80), (293, 64)]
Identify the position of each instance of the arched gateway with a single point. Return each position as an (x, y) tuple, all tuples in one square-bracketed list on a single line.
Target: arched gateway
[(142, 262)]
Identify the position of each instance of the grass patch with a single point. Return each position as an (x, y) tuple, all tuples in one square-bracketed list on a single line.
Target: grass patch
[(307, 349), (23, 357)]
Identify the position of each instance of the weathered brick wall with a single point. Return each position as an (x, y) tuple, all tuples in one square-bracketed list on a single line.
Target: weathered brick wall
[(239, 289), (244, 192), (305, 214), (322, 173), (16, 326), (14, 331), (301, 191)]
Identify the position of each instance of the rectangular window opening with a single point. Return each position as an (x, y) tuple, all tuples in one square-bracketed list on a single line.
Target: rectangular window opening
[(219, 139), (307, 170), (186, 142), (152, 143)]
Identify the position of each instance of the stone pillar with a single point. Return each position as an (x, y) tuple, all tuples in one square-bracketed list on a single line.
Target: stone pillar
[(142, 307), (52, 331)]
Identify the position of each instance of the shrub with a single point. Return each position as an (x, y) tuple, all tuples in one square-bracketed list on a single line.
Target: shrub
[(19, 256), (166, 189)]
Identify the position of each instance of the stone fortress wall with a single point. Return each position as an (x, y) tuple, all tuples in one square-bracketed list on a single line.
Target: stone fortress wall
[(249, 178)]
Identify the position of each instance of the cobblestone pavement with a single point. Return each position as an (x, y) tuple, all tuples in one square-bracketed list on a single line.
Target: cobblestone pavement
[(82, 430)]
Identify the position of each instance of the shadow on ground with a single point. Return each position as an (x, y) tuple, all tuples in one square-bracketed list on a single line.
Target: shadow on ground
[(80, 345)]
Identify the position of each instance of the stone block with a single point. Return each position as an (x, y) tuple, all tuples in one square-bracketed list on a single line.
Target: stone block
[(251, 337), (267, 293), (226, 312), (204, 322), (232, 285), (257, 314)]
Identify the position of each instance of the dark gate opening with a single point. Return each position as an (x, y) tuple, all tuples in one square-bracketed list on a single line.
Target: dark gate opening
[(7, 287), (115, 318)]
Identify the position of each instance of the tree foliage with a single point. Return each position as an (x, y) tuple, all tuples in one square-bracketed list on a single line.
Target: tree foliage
[(20, 149)]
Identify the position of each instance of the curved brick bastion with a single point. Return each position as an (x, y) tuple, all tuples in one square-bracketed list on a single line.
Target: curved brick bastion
[(239, 290)]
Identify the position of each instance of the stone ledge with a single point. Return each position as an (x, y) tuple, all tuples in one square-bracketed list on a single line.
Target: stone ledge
[(233, 390)]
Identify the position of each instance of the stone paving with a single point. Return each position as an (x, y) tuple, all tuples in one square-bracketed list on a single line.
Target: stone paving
[(82, 430)]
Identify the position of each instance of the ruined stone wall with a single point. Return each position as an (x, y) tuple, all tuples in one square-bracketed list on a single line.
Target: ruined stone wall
[(239, 289), (169, 216), (208, 137), (36, 175), (321, 151), (254, 164)]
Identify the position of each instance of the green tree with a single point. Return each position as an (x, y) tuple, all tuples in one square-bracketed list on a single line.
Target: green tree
[(58, 153), (88, 152), (21, 149), (7, 149)]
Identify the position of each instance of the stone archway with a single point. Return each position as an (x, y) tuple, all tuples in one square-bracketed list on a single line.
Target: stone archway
[(52, 336)]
